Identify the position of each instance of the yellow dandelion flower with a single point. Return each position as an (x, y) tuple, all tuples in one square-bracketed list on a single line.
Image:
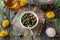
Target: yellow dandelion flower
[(50, 14), (5, 23)]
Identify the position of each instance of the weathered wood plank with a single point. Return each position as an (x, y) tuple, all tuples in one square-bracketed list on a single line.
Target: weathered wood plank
[(9, 14)]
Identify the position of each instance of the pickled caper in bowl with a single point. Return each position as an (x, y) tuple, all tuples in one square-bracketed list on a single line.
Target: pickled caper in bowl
[(29, 19)]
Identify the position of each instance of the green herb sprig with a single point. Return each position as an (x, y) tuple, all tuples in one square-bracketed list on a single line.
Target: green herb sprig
[(1, 4), (2, 13)]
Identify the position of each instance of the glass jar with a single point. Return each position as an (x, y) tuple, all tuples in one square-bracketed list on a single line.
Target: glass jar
[(12, 4)]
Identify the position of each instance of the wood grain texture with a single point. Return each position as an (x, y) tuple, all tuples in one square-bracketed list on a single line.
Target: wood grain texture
[(43, 36)]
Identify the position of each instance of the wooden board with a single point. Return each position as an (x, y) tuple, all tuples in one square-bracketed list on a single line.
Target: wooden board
[(42, 37)]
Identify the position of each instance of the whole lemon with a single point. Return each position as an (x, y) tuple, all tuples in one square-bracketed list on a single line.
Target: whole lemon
[(3, 33), (23, 2), (50, 14), (5, 23)]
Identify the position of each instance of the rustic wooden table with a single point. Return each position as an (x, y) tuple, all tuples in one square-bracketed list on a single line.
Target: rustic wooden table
[(10, 15)]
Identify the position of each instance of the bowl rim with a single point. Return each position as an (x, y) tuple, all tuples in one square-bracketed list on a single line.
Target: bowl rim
[(34, 15)]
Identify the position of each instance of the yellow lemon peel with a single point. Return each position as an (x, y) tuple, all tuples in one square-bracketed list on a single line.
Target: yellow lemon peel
[(50, 14)]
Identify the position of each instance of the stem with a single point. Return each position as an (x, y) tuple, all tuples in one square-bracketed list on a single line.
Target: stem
[(0, 19), (2, 13), (16, 34), (0, 27), (31, 1), (31, 32)]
